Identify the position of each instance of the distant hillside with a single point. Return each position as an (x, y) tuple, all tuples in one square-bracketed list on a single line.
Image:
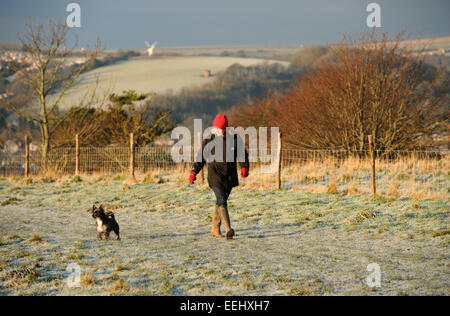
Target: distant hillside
[(431, 43), (154, 74), (264, 52), (238, 84)]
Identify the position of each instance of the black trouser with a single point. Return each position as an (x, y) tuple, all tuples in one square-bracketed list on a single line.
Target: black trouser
[(221, 196)]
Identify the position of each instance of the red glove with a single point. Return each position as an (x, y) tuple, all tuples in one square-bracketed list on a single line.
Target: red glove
[(192, 177), (244, 173)]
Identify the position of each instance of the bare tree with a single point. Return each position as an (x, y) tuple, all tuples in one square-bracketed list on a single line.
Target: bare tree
[(86, 120), (47, 77), (373, 86)]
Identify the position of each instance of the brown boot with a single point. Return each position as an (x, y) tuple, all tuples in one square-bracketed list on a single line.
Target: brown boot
[(215, 231), (225, 217)]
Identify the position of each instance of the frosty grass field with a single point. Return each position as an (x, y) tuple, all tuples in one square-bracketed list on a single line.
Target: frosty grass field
[(287, 243), (153, 74)]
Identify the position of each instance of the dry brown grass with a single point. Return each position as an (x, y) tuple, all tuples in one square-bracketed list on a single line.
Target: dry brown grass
[(440, 233), (352, 189), (87, 279), (332, 186), (394, 189), (397, 178), (35, 239), (118, 286), (23, 276)]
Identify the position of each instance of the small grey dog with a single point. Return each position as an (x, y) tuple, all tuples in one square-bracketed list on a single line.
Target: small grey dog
[(105, 222)]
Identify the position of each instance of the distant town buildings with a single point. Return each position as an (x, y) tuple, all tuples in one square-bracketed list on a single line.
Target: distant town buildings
[(440, 52), (436, 52), (24, 59), (79, 61), (19, 57)]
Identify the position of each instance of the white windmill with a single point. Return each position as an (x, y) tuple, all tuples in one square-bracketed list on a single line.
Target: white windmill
[(151, 48)]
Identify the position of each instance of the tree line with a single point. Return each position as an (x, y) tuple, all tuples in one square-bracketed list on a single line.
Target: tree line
[(238, 84), (371, 85)]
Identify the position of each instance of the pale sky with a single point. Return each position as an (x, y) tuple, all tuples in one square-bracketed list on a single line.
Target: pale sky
[(126, 24)]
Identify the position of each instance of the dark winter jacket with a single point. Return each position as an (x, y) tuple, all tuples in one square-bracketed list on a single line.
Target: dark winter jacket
[(222, 174)]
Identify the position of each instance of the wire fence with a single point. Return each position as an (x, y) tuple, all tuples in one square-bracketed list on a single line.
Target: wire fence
[(416, 174), (420, 174), (92, 160)]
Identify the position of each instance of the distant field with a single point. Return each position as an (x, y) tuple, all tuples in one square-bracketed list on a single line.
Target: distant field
[(430, 43), (219, 50), (155, 74)]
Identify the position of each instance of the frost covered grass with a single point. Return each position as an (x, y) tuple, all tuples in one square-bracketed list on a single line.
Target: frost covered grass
[(287, 243), (404, 177)]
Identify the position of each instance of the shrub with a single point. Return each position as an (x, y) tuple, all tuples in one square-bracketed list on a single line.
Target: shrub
[(10, 201), (148, 179), (117, 178), (35, 238), (76, 179), (87, 279), (332, 187), (440, 233), (300, 291), (362, 216)]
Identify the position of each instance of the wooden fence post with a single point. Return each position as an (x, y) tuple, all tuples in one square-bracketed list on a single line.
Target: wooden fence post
[(77, 155), (27, 157), (279, 156), (202, 175), (132, 177), (372, 159)]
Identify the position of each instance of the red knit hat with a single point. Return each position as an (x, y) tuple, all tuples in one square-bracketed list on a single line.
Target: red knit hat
[(221, 121)]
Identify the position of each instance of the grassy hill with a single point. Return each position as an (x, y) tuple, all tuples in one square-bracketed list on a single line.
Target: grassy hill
[(153, 74)]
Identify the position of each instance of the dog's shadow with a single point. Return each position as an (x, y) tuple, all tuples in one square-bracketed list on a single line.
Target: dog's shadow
[(147, 237)]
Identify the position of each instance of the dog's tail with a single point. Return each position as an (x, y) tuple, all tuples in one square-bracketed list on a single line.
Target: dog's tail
[(111, 215)]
